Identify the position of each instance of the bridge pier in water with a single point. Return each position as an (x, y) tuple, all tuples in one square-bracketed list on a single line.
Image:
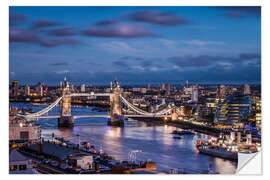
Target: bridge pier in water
[(116, 116), (66, 119)]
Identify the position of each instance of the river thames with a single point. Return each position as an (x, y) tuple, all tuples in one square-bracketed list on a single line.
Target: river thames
[(155, 141)]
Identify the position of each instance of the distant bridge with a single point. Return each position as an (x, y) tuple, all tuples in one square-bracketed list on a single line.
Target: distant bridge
[(115, 115)]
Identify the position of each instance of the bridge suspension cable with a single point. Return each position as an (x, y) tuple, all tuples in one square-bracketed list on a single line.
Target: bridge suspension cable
[(142, 112), (128, 104), (43, 111), (89, 94)]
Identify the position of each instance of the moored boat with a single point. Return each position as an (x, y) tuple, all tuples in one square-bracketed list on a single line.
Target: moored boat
[(183, 132), (218, 152)]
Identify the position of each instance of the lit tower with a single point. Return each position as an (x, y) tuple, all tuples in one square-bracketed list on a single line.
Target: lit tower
[(65, 120), (115, 106), (14, 88)]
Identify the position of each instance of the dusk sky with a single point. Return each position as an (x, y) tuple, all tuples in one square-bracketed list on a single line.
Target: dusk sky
[(136, 45)]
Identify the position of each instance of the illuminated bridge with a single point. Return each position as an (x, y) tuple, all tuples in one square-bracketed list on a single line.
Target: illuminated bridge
[(115, 115)]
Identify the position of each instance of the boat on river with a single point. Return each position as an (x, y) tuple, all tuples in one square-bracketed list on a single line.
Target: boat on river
[(222, 152), (183, 132), (177, 137), (218, 148)]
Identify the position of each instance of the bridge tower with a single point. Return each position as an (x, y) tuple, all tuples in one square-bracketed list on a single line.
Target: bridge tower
[(66, 119), (174, 115), (115, 106)]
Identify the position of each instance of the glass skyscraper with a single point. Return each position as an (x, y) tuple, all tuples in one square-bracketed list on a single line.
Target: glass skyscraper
[(234, 109)]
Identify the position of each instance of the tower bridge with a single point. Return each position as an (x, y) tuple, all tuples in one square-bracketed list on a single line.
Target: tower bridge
[(115, 116)]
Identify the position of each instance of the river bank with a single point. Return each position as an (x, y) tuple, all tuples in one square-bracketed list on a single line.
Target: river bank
[(184, 125)]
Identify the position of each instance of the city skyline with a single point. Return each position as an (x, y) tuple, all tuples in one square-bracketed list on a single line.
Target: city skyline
[(138, 45)]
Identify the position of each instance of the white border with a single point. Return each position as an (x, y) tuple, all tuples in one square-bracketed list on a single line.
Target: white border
[(5, 70)]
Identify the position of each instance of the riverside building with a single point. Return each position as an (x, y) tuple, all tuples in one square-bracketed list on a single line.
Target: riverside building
[(234, 110), (20, 130)]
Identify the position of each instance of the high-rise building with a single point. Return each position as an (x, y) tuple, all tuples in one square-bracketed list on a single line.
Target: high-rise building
[(186, 83), (14, 88), (258, 115), (222, 91), (83, 88), (195, 93), (143, 90), (39, 89), (27, 90), (61, 84), (234, 109), (148, 86), (246, 89), (168, 89), (162, 86), (188, 90)]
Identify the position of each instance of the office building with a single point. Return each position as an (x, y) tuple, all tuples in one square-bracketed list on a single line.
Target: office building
[(234, 109), (14, 88), (83, 88), (168, 89), (247, 89), (195, 94), (27, 90), (39, 89)]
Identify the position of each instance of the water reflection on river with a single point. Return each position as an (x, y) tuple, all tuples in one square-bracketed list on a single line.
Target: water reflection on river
[(156, 142)]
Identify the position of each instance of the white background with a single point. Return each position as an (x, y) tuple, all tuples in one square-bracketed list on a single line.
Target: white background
[(4, 79)]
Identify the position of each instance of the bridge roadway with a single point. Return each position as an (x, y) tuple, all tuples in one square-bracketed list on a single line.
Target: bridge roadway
[(102, 115)]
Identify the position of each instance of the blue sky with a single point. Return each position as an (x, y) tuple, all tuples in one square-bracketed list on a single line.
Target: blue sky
[(137, 45)]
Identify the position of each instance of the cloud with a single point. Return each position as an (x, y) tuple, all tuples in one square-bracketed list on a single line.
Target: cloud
[(62, 72), (36, 55), (224, 66), (115, 29), (238, 12), (59, 64), (203, 43), (12, 73), (121, 63), (157, 17), (192, 61), (16, 18), (44, 23), (18, 35), (131, 58), (57, 42), (62, 32), (116, 47), (251, 59), (218, 61), (248, 56), (26, 36)]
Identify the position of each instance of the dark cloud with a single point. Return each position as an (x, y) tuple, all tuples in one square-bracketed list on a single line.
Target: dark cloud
[(242, 11), (131, 58), (57, 42), (27, 36), (116, 29), (62, 32), (220, 61), (23, 36), (248, 56), (157, 17), (44, 23), (59, 64), (195, 61), (147, 63), (16, 18), (121, 63), (139, 58), (125, 57)]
